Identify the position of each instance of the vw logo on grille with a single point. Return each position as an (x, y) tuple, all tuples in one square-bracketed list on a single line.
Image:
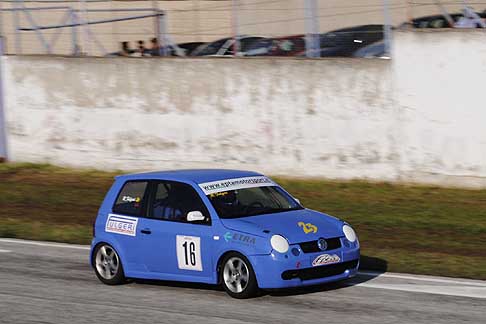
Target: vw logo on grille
[(322, 244)]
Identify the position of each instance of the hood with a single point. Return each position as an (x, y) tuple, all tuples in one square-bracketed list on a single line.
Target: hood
[(297, 225)]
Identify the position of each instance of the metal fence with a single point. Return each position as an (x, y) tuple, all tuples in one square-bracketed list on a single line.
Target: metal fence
[(312, 28)]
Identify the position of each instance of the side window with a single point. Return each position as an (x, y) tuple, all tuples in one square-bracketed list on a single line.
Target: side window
[(130, 199), (173, 200)]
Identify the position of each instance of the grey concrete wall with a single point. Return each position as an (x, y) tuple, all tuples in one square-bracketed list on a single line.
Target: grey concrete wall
[(415, 118)]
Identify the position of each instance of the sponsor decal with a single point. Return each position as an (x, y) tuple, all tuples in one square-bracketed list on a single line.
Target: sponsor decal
[(239, 238), (325, 259), (234, 184), (130, 199), (297, 265), (218, 194), (121, 225), (228, 236), (308, 228)]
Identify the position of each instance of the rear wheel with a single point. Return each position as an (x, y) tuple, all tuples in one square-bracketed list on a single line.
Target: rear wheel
[(107, 265), (238, 277)]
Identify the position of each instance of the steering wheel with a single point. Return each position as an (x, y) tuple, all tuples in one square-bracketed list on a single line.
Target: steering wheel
[(254, 204)]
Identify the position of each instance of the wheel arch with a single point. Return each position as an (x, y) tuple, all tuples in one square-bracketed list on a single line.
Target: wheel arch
[(219, 263), (114, 246)]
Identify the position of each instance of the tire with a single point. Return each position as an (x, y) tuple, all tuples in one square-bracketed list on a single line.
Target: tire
[(237, 276), (107, 265)]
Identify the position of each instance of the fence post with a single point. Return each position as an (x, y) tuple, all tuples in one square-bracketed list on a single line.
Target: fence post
[(1, 19), (387, 27), (157, 25), (86, 46), (410, 13), (197, 19), (235, 26), (3, 124), (74, 34), (312, 39), (16, 22), (164, 49)]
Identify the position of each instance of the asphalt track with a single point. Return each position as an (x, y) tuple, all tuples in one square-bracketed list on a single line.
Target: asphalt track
[(53, 283)]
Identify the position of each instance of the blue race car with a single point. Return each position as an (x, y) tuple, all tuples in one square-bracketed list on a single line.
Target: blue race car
[(235, 228)]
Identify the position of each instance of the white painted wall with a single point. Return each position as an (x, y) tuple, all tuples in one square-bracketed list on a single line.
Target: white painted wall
[(439, 92), (415, 118)]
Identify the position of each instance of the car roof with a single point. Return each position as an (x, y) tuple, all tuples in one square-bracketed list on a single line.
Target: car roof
[(191, 175)]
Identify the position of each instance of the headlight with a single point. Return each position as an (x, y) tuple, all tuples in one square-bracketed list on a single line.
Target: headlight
[(279, 243), (349, 233)]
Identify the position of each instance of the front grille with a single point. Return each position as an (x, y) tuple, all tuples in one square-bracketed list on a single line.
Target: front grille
[(312, 247), (321, 271)]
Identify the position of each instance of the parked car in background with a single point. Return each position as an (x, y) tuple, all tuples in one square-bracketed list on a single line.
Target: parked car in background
[(224, 46), (436, 21), (170, 50), (211, 48), (345, 42), (279, 46), (441, 21), (373, 50), (189, 47)]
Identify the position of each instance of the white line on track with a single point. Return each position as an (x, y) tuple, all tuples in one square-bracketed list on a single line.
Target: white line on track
[(55, 245), (464, 291), (469, 282), (468, 288), (4, 251)]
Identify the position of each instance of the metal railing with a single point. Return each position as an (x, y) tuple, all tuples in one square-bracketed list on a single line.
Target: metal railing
[(307, 28)]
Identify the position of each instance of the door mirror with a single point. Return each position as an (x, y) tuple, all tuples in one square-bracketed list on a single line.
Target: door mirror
[(195, 216), (297, 200)]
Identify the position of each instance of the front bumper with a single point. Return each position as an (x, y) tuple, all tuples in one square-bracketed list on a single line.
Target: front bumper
[(289, 270)]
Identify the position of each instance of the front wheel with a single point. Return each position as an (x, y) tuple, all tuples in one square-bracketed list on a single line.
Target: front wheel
[(238, 277), (107, 265)]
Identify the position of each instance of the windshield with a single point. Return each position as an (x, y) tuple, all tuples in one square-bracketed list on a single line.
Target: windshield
[(252, 201)]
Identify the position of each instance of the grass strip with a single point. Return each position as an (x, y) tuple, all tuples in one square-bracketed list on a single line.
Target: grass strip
[(402, 228)]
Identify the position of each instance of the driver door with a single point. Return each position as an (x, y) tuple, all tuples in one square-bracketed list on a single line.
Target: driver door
[(173, 246)]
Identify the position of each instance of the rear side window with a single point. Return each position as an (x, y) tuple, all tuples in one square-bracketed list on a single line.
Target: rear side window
[(130, 199)]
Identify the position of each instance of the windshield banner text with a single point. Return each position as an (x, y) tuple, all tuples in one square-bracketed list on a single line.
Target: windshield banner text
[(234, 184)]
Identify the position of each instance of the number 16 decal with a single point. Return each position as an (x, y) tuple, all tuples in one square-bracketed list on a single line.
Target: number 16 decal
[(189, 252)]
